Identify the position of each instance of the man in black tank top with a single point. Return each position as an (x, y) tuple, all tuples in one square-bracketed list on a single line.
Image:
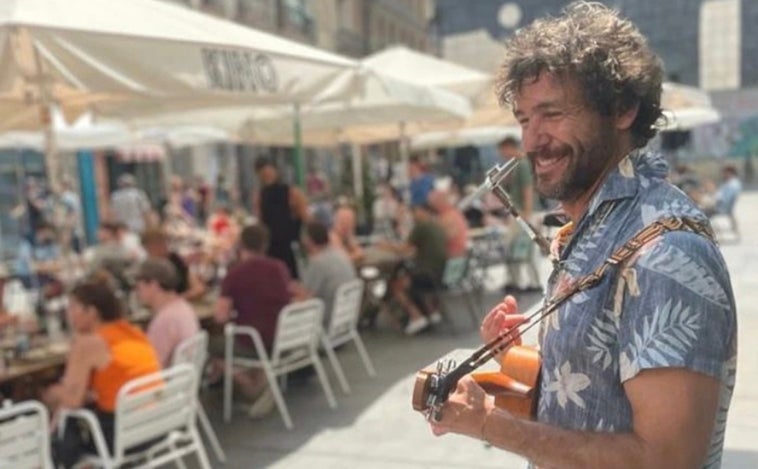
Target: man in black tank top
[(283, 209)]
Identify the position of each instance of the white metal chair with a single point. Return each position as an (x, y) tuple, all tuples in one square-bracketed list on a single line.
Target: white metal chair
[(454, 280), (194, 350), (343, 327), (159, 408), (24, 436), (295, 346)]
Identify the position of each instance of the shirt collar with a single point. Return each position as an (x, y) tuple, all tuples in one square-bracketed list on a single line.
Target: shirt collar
[(624, 181)]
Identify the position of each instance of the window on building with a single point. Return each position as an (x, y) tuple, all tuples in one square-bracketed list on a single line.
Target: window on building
[(255, 12), (299, 15), (720, 45)]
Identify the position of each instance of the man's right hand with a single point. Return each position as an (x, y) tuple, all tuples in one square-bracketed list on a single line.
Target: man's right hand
[(502, 317)]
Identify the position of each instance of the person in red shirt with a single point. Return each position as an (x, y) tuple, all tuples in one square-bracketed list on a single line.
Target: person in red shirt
[(257, 288)]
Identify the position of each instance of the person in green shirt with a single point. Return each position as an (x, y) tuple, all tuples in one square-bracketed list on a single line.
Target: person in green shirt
[(412, 285)]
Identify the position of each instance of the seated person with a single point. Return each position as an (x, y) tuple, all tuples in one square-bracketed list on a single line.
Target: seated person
[(174, 320), (728, 191), (328, 267), (423, 274), (6, 317), (106, 352), (725, 198), (111, 255), (452, 221), (39, 259), (188, 284), (256, 288), (343, 231), (223, 233), (131, 242)]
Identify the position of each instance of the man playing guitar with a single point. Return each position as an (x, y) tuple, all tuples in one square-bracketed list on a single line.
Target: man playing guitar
[(637, 370)]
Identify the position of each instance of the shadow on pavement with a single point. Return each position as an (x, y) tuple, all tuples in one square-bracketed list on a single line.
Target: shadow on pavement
[(260, 443)]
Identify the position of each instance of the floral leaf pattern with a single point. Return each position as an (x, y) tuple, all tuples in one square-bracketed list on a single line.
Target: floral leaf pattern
[(671, 305), (676, 264), (568, 385), (665, 338), (602, 338)]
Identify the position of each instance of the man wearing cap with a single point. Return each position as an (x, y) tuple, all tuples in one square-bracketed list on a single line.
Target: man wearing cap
[(174, 320)]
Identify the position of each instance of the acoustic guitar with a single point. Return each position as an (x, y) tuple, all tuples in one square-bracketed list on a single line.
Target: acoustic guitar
[(515, 386)]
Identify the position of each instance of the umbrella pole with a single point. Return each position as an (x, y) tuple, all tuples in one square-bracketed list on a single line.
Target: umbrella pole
[(298, 131), (357, 174), (51, 144), (404, 159)]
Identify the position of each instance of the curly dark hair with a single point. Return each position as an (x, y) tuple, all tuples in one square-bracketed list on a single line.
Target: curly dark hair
[(607, 54)]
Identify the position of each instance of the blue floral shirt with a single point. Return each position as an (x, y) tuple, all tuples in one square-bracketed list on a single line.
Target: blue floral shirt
[(671, 305)]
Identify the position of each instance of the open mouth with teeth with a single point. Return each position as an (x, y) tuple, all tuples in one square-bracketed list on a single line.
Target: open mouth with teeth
[(551, 162)]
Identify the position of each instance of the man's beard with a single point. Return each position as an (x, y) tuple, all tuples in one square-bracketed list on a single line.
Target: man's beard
[(585, 166)]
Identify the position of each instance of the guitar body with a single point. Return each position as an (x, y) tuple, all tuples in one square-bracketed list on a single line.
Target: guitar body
[(516, 385)]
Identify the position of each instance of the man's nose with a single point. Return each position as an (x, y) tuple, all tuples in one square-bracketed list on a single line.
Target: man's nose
[(534, 137)]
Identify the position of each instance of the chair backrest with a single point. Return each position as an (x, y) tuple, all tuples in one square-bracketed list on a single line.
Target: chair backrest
[(24, 436), (347, 307), (152, 406), (298, 327), (455, 270), (192, 350)]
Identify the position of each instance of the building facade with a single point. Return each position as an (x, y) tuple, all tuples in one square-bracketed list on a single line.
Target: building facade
[(702, 42)]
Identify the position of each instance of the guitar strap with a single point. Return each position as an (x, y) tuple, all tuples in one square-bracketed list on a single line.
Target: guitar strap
[(625, 252)]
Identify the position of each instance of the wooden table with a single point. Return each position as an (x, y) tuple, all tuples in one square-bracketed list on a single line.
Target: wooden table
[(37, 359)]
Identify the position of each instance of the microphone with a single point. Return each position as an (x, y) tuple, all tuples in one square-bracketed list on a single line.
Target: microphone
[(495, 176)]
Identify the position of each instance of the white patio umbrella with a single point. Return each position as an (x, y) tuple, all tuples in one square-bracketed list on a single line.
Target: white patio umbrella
[(684, 106), (374, 100), (87, 134), (136, 57)]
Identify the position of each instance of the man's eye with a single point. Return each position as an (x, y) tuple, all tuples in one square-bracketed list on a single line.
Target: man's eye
[(553, 114)]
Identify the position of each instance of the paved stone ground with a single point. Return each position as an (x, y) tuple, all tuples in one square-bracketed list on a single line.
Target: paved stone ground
[(375, 428)]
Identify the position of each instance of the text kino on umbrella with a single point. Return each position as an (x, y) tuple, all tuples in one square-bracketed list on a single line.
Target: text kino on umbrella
[(236, 70)]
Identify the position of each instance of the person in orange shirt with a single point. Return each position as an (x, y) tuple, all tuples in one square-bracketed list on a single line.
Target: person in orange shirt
[(106, 352)]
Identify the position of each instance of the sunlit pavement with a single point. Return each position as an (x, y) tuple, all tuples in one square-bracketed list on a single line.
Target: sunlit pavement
[(375, 427)]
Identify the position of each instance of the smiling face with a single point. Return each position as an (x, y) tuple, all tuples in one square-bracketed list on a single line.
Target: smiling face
[(569, 144)]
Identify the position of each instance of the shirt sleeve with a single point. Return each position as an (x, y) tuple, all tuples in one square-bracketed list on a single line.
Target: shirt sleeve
[(677, 309), (162, 334)]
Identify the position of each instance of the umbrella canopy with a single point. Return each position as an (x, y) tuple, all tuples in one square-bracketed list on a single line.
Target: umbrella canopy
[(133, 57), (426, 70), (86, 134), (684, 106), (374, 99)]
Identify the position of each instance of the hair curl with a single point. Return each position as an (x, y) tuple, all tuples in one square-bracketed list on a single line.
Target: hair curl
[(606, 54)]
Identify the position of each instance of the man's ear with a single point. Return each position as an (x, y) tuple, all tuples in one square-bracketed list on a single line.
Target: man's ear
[(625, 117)]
